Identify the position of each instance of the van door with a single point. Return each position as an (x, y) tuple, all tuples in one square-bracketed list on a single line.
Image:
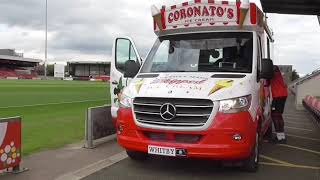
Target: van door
[(123, 50), (264, 86)]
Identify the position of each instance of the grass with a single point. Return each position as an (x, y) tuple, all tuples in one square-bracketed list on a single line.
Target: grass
[(53, 112)]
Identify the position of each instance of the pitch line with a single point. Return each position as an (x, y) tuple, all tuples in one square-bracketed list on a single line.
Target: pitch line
[(69, 102), (299, 123), (302, 137), (275, 160), (302, 129), (300, 148), (290, 165)]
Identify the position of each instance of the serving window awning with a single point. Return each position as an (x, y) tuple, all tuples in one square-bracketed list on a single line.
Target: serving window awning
[(303, 7)]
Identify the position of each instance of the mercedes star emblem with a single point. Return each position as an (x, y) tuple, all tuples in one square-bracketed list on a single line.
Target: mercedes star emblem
[(168, 111)]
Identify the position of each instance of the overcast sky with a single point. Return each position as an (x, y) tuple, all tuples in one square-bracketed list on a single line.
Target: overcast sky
[(85, 30)]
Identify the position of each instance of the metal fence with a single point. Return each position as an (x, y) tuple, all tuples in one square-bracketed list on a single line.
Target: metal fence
[(99, 126), (312, 104)]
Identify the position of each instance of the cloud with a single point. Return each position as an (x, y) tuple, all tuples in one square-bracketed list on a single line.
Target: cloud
[(297, 41), (86, 29), (81, 27)]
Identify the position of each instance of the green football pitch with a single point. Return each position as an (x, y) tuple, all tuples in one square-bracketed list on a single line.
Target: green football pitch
[(53, 112)]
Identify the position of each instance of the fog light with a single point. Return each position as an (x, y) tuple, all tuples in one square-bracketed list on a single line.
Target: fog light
[(120, 128), (237, 137)]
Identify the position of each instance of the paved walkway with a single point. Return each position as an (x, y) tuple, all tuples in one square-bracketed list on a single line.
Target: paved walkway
[(298, 159), (53, 164)]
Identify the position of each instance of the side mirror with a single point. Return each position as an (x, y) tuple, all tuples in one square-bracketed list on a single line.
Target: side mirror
[(131, 69), (266, 69)]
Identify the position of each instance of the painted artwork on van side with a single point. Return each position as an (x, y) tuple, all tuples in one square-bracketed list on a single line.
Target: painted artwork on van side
[(118, 92), (220, 85)]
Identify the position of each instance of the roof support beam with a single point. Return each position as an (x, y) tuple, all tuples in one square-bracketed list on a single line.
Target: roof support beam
[(305, 7)]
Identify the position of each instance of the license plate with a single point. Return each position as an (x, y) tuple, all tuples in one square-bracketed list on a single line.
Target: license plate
[(163, 151)]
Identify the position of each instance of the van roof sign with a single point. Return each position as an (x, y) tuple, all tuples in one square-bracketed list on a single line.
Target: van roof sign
[(201, 13), (205, 13)]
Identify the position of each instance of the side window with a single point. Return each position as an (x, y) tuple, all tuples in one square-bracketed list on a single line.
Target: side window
[(268, 48), (124, 52), (259, 58), (133, 55)]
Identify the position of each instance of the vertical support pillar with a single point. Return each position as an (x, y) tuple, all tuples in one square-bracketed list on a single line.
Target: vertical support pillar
[(88, 129)]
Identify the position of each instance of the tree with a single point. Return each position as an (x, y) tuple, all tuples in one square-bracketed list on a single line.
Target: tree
[(40, 70), (295, 75), (50, 69)]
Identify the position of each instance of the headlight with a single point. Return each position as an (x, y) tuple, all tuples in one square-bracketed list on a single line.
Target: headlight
[(235, 105), (125, 101)]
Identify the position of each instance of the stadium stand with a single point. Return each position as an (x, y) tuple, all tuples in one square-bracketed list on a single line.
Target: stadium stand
[(14, 66), (86, 70)]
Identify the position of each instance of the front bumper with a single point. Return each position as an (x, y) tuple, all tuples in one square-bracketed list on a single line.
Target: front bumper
[(216, 142)]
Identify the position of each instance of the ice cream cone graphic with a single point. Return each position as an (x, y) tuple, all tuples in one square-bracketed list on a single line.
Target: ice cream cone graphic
[(220, 85), (138, 85), (157, 16), (244, 8)]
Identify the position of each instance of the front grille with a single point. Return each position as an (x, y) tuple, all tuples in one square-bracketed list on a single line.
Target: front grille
[(180, 138), (189, 112)]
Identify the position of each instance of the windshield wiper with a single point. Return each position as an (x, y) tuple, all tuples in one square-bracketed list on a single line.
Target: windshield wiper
[(174, 71)]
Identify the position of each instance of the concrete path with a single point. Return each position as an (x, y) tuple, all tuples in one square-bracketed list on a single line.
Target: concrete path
[(296, 160), (54, 164)]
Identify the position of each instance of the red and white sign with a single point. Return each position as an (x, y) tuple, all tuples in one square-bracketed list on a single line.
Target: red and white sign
[(199, 13), (189, 16), (10, 143)]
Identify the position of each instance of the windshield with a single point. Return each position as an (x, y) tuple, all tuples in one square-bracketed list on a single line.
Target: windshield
[(213, 52)]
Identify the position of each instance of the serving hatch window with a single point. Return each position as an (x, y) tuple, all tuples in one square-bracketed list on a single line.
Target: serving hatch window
[(213, 52)]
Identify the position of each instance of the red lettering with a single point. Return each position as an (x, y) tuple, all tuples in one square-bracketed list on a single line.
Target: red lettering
[(170, 18), (230, 13), (197, 11), (205, 11), (190, 12), (201, 12), (183, 14), (220, 11), (176, 15), (212, 9)]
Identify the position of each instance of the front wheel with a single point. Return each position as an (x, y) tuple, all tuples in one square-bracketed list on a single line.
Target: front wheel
[(252, 163), (137, 156)]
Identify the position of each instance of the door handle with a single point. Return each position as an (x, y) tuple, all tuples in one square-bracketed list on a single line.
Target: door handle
[(114, 82)]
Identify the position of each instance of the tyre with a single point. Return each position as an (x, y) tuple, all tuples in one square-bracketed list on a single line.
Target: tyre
[(137, 156), (252, 163)]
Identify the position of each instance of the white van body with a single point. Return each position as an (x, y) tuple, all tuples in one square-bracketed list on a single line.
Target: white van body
[(202, 77)]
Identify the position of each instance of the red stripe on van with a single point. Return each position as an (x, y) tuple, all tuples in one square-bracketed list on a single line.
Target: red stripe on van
[(163, 19), (253, 13), (238, 12)]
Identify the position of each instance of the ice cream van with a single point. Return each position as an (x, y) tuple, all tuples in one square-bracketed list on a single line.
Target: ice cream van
[(202, 91)]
